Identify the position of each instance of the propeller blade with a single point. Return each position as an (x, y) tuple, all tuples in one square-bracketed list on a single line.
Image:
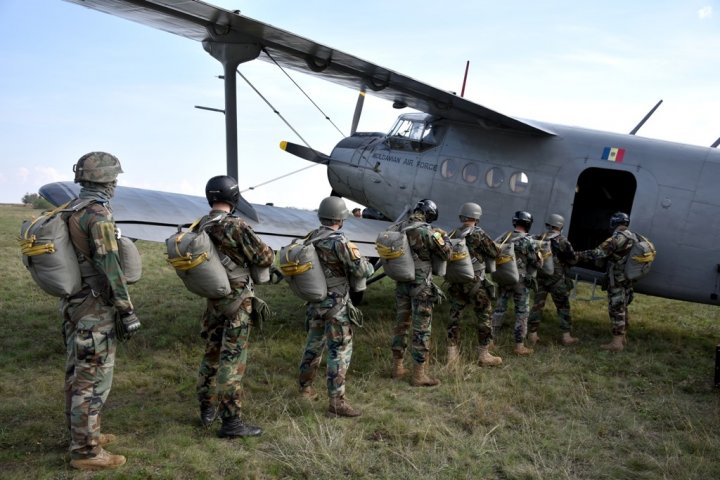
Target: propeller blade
[(305, 152), (358, 111)]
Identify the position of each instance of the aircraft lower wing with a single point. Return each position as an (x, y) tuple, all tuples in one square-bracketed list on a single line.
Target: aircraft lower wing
[(154, 216), (202, 22)]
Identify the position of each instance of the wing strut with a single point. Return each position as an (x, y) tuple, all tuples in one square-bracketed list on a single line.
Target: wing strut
[(645, 118)]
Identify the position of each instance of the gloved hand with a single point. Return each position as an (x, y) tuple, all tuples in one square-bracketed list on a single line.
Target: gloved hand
[(130, 323)]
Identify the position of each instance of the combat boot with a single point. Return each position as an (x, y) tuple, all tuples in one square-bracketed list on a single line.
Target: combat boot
[(234, 427), (453, 355), (106, 439), (308, 393), (207, 414), (102, 461), (522, 350), (339, 407), (486, 359), (616, 344), (398, 369), (533, 338), (420, 378), (568, 339)]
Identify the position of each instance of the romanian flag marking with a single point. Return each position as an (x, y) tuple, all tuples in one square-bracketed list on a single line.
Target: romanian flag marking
[(613, 154)]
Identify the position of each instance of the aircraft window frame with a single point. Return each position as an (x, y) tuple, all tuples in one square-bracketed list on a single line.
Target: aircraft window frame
[(448, 168), (494, 177), (524, 183), (470, 173)]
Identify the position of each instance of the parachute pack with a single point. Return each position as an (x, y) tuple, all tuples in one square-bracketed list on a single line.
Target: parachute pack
[(394, 250), (300, 265), (49, 255), (506, 271), (196, 261), (460, 266), (544, 247), (640, 258)]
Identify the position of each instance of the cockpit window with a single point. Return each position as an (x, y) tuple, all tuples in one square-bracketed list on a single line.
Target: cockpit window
[(419, 133)]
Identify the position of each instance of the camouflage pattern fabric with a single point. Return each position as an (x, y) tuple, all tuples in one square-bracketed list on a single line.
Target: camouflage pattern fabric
[(480, 246), (89, 324), (97, 167), (328, 321), (558, 285), (614, 252), (226, 321), (414, 300), (527, 258)]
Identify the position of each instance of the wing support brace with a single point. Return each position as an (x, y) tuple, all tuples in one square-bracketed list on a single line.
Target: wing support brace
[(231, 50)]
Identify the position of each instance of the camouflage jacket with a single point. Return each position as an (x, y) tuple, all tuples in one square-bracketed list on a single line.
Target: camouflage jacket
[(563, 255), (479, 244), (526, 255), (425, 242), (93, 234), (339, 257), (614, 250), (233, 237)]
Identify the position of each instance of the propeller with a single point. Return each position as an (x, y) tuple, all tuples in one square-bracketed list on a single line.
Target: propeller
[(358, 110), (305, 153)]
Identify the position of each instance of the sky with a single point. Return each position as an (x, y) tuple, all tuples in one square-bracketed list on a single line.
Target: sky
[(74, 80)]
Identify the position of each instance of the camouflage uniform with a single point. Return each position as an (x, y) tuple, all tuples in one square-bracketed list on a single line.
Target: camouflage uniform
[(614, 252), (414, 300), (89, 320), (527, 259), (226, 321), (328, 320), (558, 285), (480, 246)]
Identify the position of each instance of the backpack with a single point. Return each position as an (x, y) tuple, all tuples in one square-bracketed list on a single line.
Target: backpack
[(397, 258), (506, 271), (301, 267), (196, 261), (48, 252), (640, 258), (544, 248), (460, 265)]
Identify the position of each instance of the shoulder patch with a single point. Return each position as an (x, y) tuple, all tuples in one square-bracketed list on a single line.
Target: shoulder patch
[(105, 240), (438, 237)]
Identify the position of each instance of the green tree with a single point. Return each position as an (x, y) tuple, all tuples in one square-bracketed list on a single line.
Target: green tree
[(36, 201)]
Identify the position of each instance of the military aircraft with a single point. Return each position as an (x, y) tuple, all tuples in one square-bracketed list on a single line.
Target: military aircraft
[(452, 151)]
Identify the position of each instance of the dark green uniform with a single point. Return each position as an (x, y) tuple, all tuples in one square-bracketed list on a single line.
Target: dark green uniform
[(226, 321), (328, 321), (474, 293), (414, 300)]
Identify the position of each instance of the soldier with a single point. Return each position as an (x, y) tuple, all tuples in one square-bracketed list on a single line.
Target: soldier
[(89, 316), (480, 246), (558, 285), (528, 260), (226, 321), (329, 321), (615, 251), (415, 299)]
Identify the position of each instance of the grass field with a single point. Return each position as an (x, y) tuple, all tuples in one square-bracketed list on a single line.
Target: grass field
[(576, 412)]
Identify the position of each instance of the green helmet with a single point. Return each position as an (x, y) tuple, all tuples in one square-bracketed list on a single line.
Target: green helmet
[(97, 167), (333, 208), (471, 210), (555, 220)]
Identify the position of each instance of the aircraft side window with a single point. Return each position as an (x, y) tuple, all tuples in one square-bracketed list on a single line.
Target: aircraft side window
[(470, 173), (448, 168), (519, 182), (494, 177)]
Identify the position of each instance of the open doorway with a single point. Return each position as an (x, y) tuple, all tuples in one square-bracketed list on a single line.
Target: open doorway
[(599, 193)]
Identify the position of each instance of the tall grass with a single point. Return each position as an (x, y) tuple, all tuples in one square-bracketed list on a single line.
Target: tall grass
[(564, 413)]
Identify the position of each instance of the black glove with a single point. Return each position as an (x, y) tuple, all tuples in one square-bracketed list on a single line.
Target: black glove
[(130, 324)]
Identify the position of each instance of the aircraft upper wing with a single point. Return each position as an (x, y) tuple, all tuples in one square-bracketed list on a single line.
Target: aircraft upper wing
[(152, 215), (200, 21)]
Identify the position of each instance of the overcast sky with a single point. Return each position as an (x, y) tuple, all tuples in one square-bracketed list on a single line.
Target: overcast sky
[(75, 80)]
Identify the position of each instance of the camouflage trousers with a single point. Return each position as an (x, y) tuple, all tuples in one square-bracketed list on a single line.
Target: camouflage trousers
[(521, 297), (414, 305), (90, 343), (559, 290), (619, 297), (226, 330), (462, 295), (335, 330)]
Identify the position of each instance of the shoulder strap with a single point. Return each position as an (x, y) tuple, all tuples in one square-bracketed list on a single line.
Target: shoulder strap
[(321, 236)]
